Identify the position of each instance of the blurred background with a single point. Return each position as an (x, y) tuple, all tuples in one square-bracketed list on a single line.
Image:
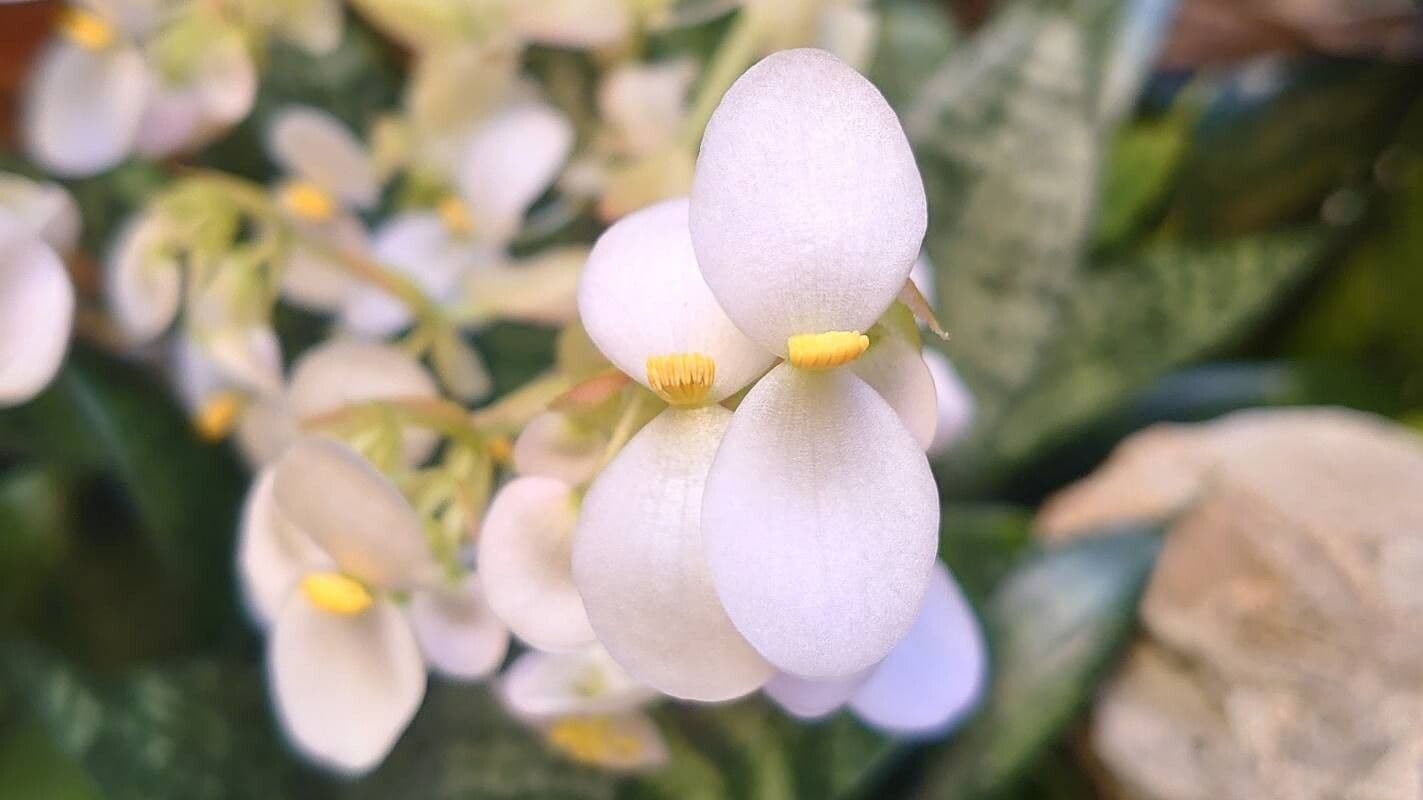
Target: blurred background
[(1143, 213)]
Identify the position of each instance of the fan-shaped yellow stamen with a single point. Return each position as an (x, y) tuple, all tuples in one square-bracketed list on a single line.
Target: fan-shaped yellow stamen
[(594, 740), (336, 593), (455, 215), (85, 28), (307, 201), (826, 350), (682, 379), (218, 415)]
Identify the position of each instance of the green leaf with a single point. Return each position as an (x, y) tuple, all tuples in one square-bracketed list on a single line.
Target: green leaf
[(980, 543), (1053, 626), (1143, 160), (31, 767), (33, 534), (189, 732)]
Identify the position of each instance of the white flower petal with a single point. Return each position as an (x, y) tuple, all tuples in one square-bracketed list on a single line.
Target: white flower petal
[(555, 446), (354, 513), (272, 553), (264, 430), (805, 698), (646, 104), (143, 282), (541, 289), (458, 632), (524, 560), (225, 84), (924, 278), (508, 163), (311, 277), (820, 519), (642, 295), (807, 208), (638, 561), (172, 121), (83, 108), (936, 675), (313, 25), (895, 368), (36, 309), (43, 210), (954, 403), (544, 686), (249, 357), (342, 372), (345, 687), (419, 246), (571, 23), (318, 147)]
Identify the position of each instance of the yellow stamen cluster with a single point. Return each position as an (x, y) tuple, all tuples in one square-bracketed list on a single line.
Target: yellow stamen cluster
[(682, 379), (336, 593), (85, 28), (307, 201), (455, 215), (594, 740), (218, 416), (826, 350)]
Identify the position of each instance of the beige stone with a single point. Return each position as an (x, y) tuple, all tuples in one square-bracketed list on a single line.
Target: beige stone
[(1282, 653)]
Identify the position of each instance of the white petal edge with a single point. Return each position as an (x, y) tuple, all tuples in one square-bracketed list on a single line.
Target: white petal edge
[(541, 289), (571, 23), (272, 553), (353, 513), (458, 631), (809, 699), (821, 519), (83, 109), (807, 207), (318, 147), (640, 566), (142, 283), (955, 406), (936, 675), (508, 163), (543, 686), (345, 687), (556, 446), (524, 560), (42, 209), (895, 368), (36, 310), (311, 277), (642, 295)]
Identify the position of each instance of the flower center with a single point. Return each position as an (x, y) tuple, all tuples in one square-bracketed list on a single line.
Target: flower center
[(455, 214), (500, 449), (336, 593), (826, 350), (682, 379), (594, 740), (307, 201), (218, 414), (86, 29)]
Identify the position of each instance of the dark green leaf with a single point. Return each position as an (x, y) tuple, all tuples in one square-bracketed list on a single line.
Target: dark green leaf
[(31, 767), (33, 534), (1053, 626), (980, 543)]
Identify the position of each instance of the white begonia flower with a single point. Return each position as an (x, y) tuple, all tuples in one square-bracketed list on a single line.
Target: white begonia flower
[(508, 162), (637, 554), (556, 445), (820, 514), (331, 174), (327, 545), (927, 684), (645, 105), (204, 81), (37, 222), (574, 24), (524, 559), (87, 94)]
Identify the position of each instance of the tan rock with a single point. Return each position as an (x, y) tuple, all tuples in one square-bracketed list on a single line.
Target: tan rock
[(1283, 647)]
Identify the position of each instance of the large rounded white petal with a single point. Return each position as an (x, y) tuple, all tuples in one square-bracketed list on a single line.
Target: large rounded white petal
[(642, 295), (806, 698), (342, 372), (821, 519), (571, 23), (42, 210), (807, 208), (143, 282), (272, 553), (36, 309), (524, 560), (83, 108), (639, 563), (508, 163), (936, 674), (354, 513), (954, 402), (345, 687), (458, 631), (895, 368), (318, 147), (543, 686), (556, 446)]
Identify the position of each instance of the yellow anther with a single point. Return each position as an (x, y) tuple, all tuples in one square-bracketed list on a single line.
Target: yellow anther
[(595, 740), (682, 379), (826, 350), (500, 449), (307, 201), (218, 415), (336, 593), (85, 28), (455, 214)]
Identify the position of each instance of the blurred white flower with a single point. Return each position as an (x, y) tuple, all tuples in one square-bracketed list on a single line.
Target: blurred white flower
[(327, 549), (638, 550), (203, 81), (820, 514), (955, 404), (927, 684), (315, 26), (38, 222), (847, 28), (556, 445)]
